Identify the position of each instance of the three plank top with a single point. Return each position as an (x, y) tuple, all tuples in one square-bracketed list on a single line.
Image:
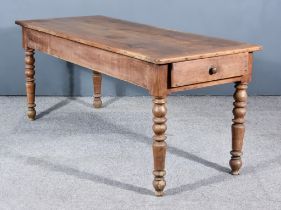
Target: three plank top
[(143, 42)]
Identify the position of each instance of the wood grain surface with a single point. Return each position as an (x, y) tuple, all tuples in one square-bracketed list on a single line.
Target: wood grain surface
[(135, 71), (151, 44)]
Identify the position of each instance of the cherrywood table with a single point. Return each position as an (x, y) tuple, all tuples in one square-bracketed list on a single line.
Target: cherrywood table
[(159, 60)]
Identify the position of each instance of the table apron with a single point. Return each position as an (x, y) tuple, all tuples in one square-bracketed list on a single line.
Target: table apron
[(129, 69)]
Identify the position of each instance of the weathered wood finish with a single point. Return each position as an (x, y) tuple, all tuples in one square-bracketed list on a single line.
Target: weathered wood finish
[(115, 65), (238, 128), (247, 77), (159, 60), (198, 71), (157, 82), (147, 43), (159, 145), (97, 89), (30, 82)]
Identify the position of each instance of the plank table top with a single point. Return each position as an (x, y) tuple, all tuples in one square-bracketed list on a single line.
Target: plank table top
[(147, 43)]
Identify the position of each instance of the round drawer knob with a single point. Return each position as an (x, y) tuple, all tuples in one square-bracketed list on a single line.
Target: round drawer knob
[(213, 70)]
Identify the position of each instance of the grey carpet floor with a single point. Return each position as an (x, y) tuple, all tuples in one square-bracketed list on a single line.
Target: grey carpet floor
[(77, 157)]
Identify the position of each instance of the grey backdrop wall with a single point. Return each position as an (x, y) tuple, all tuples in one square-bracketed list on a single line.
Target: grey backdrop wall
[(256, 21)]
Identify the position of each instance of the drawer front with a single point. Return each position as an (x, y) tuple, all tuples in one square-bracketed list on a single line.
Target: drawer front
[(208, 69)]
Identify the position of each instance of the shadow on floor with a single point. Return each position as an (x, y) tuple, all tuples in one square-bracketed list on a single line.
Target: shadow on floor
[(85, 175), (69, 99), (222, 177), (35, 161), (53, 108), (139, 137)]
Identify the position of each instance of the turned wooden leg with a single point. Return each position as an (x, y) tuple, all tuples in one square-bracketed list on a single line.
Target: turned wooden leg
[(30, 84), (238, 128), (159, 145), (97, 89)]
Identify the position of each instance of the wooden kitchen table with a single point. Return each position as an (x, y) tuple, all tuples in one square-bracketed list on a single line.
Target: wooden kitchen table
[(159, 60)]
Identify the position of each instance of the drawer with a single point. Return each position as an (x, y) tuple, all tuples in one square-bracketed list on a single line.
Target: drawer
[(208, 69)]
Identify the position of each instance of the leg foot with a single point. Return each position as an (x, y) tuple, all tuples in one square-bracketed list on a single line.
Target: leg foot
[(235, 162), (31, 113), (159, 145), (238, 127), (97, 103), (30, 83), (159, 182)]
